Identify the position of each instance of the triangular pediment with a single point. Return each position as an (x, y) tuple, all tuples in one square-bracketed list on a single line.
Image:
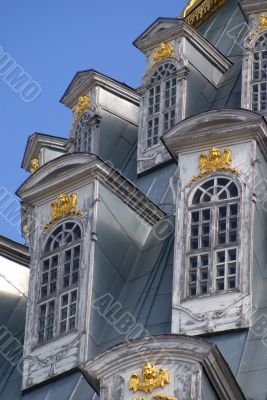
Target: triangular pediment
[(84, 81), (61, 175), (160, 29)]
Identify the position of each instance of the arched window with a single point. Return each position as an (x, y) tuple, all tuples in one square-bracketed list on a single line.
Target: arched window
[(162, 99), (58, 296), (213, 240), (83, 134), (259, 75)]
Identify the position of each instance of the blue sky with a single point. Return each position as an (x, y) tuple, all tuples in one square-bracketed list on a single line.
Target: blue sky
[(51, 41)]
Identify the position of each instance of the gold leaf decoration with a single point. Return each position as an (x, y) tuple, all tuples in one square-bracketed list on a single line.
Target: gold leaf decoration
[(83, 104), (214, 161), (164, 51), (151, 379), (34, 165), (65, 205), (196, 16), (262, 25)]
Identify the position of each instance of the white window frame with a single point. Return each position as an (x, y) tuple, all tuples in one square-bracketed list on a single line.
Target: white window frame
[(149, 156), (84, 135), (159, 79), (259, 76), (61, 289), (205, 286)]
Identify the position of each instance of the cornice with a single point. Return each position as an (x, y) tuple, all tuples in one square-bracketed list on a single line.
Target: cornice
[(68, 172), (151, 38), (214, 127), (170, 347), (249, 7), (38, 140), (14, 251), (93, 78)]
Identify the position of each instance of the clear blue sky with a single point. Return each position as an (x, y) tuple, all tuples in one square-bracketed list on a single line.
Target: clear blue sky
[(51, 41)]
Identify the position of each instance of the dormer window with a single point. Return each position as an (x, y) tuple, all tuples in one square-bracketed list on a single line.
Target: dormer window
[(259, 75), (161, 102), (83, 134)]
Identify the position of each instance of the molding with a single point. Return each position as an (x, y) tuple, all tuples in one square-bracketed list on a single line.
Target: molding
[(212, 127), (84, 81), (72, 170), (34, 144), (169, 349), (14, 251), (249, 7), (178, 27)]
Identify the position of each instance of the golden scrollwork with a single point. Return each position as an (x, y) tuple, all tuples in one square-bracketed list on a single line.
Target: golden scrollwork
[(34, 165), (164, 51), (262, 25), (188, 7), (66, 205), (151, 379), (201, 12), (214, 161), (83, 104)]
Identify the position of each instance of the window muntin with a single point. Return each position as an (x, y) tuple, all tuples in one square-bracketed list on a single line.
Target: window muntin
[(59, 278), (83, 134), (68, 311), (162, 99), (259, 75), (213, 237), (46, 321)]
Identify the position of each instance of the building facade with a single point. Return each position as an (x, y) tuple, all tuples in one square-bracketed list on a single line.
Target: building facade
[(146, 227)]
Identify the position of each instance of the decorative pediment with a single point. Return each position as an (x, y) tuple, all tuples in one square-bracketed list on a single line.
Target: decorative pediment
[(160, 27), (208, 128), (62, 174), (36, 144), (84, 81), (172, 368), (171, 32)]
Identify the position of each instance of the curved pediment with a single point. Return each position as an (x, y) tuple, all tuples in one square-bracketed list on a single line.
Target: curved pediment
[(56, 172), (213, 126)]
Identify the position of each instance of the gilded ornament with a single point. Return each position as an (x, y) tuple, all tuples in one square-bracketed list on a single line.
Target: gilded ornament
[(25, 230), (66, 205), (34, 165), (214, 161), (164, 51), (262, 25), (151, 379), (187, 8), (201, 12), (163, 397), (83, 104)]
